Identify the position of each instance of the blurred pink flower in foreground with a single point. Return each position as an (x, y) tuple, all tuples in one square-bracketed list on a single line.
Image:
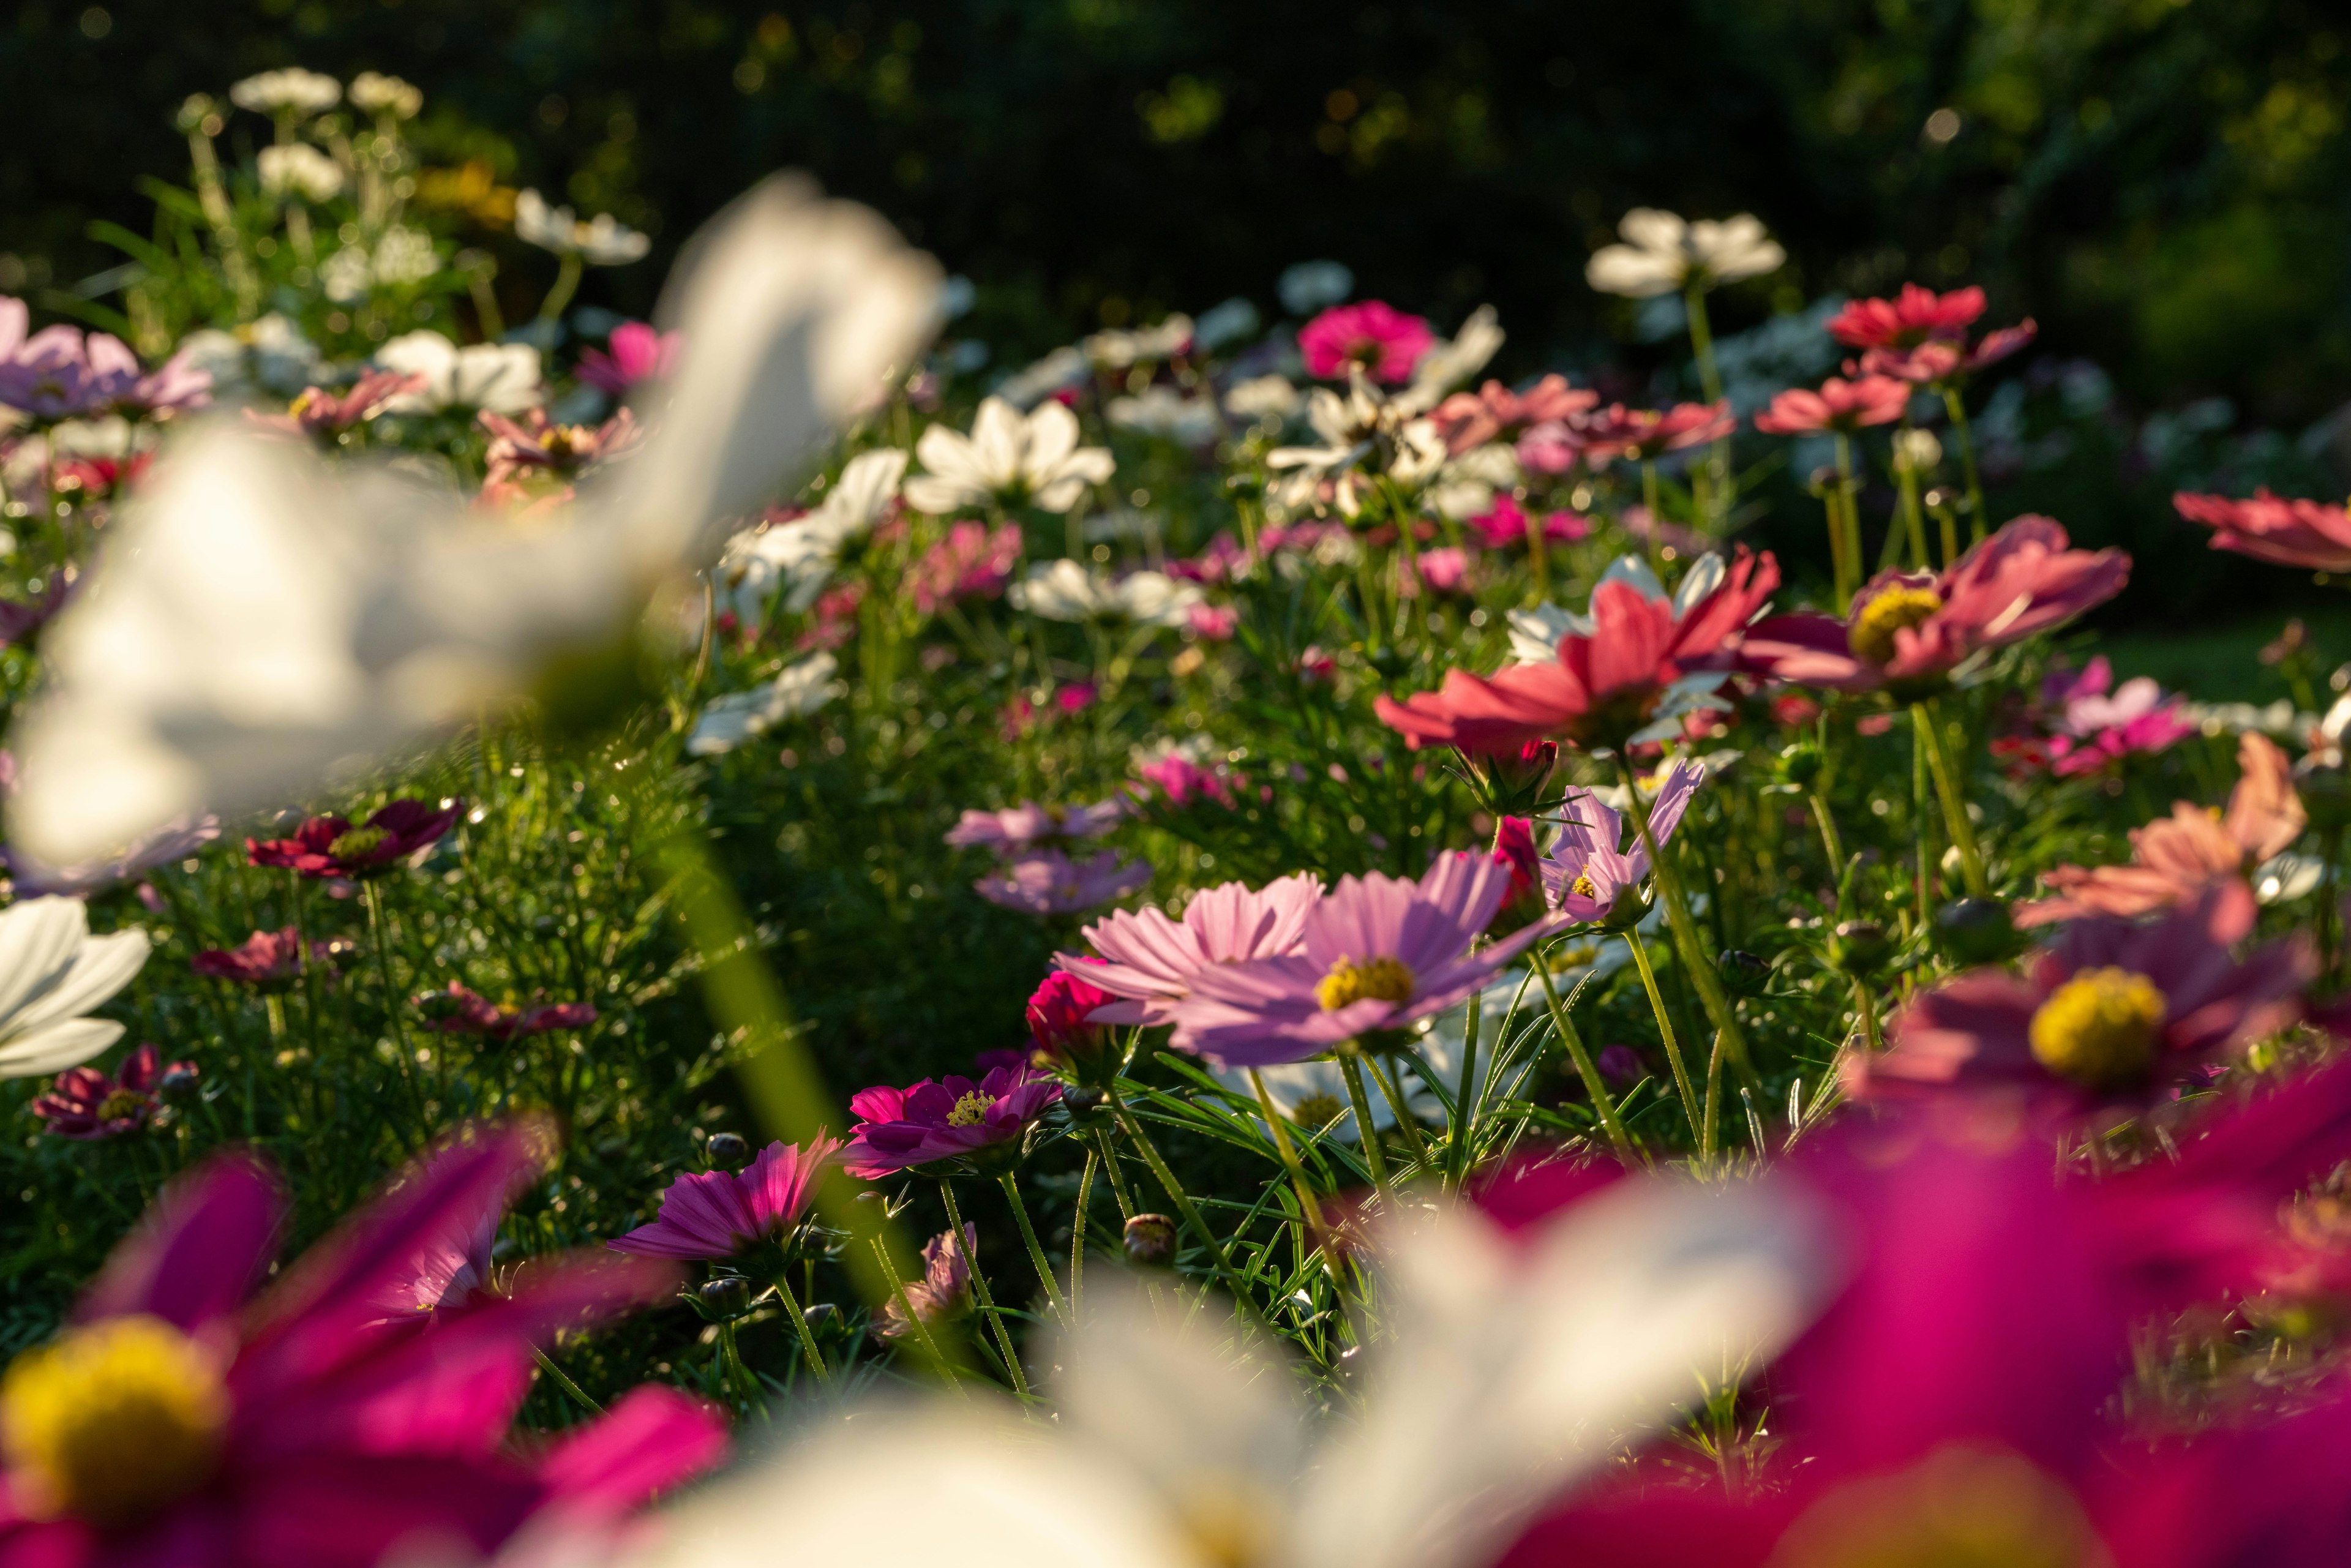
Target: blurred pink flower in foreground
[(1385, 342), (1047, 882), (716, 1214), (1638, 434), (267, 960), (2280, 530), (638, 353), (61, 372), (1152, 960), (2100, 726), (1495, 413), (971, 562)]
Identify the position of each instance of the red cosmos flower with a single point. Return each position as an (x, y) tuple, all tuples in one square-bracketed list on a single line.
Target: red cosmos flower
[(1495, 413), (1637, 434), (318, 411), (85, 1104), (457, 1011), (1839, 405), (1605, 684), (2279, 529), (1375, 335), (1913, 317), (1911, 630), (331, 846)]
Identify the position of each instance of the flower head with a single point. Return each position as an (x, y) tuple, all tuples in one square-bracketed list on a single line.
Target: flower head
[(332, 846), (1062, 590), (456, 1010), (503, 378), (290, 91), (1047, 882), (1029, 824), (1151, 961), (55, 972), (716, 1214), (372, 92), (1662, 254), (1495, 413), (949, 1123), (301, 169), (85, 1103), (973, 561), (1009, 459), (799, 689), (1388, 343), (1638, 434), (1913, 317), (634, 352), (315, 411), (1839, 405), (1180, 781), (1062, 1010), (2099, 728), (1507, 526), (1586, 876), (2275, 528), (267, 960), (943, 1293), (602, 241)]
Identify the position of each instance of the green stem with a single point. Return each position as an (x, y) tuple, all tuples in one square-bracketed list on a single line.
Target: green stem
[(1125, 1200), (1584, 1067), (1078, 1234), (1392, 1091), (1351, 1067), (1925, 832), (1833, 514), (1278, 1125), (1955, 406), (1830, 842), (563, 1381), (1457, 1153), (567, 282), (1851, 507), (791, 1305), (987, 1307), (730, 1367), (1707, 1143), (1955, 810), (1665, 1032), (1132, 1128), (1912, 516), (1677, 916), (914, 1320), (1867, 1004), (1036, 1252), (1649, 503), (1538, 556)]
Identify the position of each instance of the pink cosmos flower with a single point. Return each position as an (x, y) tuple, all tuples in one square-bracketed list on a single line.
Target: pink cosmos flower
[(1062, 1010), (1939, 364), (2100, 727), (833, 621), (1911, 630), (970, 562), (1377, 953), (1638, 434), (1385, 342), (943, 1292), (1220, 561), (1445, 569), (536, 445), (98, 478), (2113, 1009), (1152, 960), (267, 960), (1029, 824), (1504, 526), (1586, 877), (1316, 663), (1839, 405), (61, 373), (331, 846), (1214, 622), (717, 1215), (1554, 446), (949, 1124), (638, 354), (318, 411), (1047, 882), (1495, 413), (1607, 684), (1913, 317), (1076, 697), (2280, 530), (1514, 848), (1182, 780), (295, 1427), (85, 1103), (456, 1010)]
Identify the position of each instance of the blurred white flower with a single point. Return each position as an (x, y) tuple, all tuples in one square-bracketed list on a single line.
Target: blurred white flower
[(602, 241), (262, 623), (730, 720), (1065, 368), (1064, 591), (501, 377), (802, 553), (52, 971), (290, 91), (1664, 255), (404, 255), (1226, 323), (1308, 286), (1262, 397), (1119, 350), (375, 93), (271, 354), (1162, 411), (302, 169), (1007, 458)]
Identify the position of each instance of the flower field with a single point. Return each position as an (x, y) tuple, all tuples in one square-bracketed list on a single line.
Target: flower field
[(715, 939)]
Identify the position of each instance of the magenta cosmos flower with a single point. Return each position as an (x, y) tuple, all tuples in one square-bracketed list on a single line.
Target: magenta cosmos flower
[(86, 1105), (714, 1215), (1375, 953), (1047, 882), (951, 1125), (1842, 406), (2275, 528), (1062, 1010), (2100, 724), (456, 1010), (1908, 631), (331, 846), (1507, 526), (1587, 877), (180, 1419), (2112, 1010), (1151, 961), (638, 353), (1028, 823), (1384, 340)]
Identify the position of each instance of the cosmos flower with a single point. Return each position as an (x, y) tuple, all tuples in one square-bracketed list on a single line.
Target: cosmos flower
[(717, 1215), (1842, 406), (372, 92), (1214, 622), (85, 1104), (1586, 876), (291, 90), (602, 241), (1150, 961), (1009, 459), (1375, 952), (1388, 343), (1638, 434), (397, 833), (1495, 413), (1047, 882), (1913, 317), (267, 960), (1662, 254), (1029, 824), (2099, 728), (950, 1124), (797, 555), (536, 445), (726, 722), (315, 411), (1061, 1009), (634, 352), (456, 1010), (503, 378), (1505, 526), (943, 1293), (52, 972), (972, 561), (2275, 528), (1063, 590), (61, 372), (1180, 781), (1910, 631), (300, 168)]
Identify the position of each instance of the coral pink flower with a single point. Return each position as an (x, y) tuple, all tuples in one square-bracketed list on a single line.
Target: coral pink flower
[(318, 411), (1385, 342), (943, 1292), (1152, 960), (331, 846), (971, 562), (1605, 684), (1214, 622), (2275, 528), (2113, 1009), (1029, 824), (1587, 877), (1913, 317), (1911, 630), (952, 1124), (638, 353), (1839, 405), (1637, 434), (1375, 953), (456, 1010), (1495, 413), (85, 1104), (2175, 859), (717, 1215), (1047, 882), (1505, 526), (297, 1427), (267, 960), (98, 478)]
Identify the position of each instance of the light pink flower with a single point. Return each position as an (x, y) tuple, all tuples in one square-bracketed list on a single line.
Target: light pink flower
[(971, 562), (1840, 405), (318, 411), (1385, 342), (2099, 729), (1495, 413), (1047, 882), (1182, 780), (1637, 434), (945, 1290), (1587, 877), (2275, 528), (1150, 960), (1443, 570), (1214, 622), (1028, 822)]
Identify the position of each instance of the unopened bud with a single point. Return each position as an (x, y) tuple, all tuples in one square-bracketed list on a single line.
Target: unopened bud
[(1858, 947), (1151, 1241), (1801, 764), (1744, 974), (727, 1150), (179, 1084), (726, 1298), (1976, 931)]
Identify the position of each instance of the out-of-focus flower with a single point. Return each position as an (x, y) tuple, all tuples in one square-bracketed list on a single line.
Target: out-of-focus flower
[(1913, 317), (298, 168), (1150, 961), (1009, 459), (1505, 526), (315, 411), (531, 459), (1214, 623), (87, 1104), (399, 833), (1665, 255), (1376, 952), (270, 354), (471, 188), (1164, 411), (799, 554), (2098, 728), (942, 1294), (636, 353), (1123, 349), (1029, 824), (52, 972), (372, 92), (1840, 405), (61, 372), (96, 478), (1634, 663), (503, 378), (457, 1011), (1262, 397), (973, 561), (1388, 343), (952, 1124), (727, 721), (1495, 413), (717, 1215), (1442, 570), (1638, 434), (267, 960), (292, 90), (2282, 530), (1587, 877), (21, 620), (1180, 781), (1063, 590), (1910, 631), (601, 241), (1307, 286), (1047, 882), (2175, 859)]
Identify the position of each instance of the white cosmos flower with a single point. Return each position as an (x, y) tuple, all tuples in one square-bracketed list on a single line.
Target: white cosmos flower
[(1119, 350), (803, 552), (1664, 255), (301, 168), (1262, 397), (1507, 1368), (262, 622), (1009, 459), (602, 241), (375, 93), (728, 721), (1064, 591), (1065, 368), (1162, 411), (501, 377), (52, 971), (270, 355), (290, 91)]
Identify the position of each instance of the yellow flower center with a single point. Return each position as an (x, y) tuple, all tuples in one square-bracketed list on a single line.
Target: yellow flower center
[(310, 398), (2099, 1028), (1872, 637), (1318, 1110), (971, 1110), (1386, 979), (1582, 888), (120, 1103), (358, 841), (112, 1421), (1959, 1509)]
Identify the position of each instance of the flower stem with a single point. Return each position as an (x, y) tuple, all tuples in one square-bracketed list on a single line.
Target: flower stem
[(1649, 504), (567, 283), (562, 1380), (1665, 1032), (1538, 557), (1392, 1091), (1708, 1139), (1852, 508), (1277, 1124), (1913, 516), (1955, 406), (1078, 1233), (1677, 916), (987, 1307), (1830, 842), (1955, 810), (1125, 1200), (1585, 1068), (730, 1367), (922, 1329), (1867, 1004), (1036, 1252), (1351, 1067), (1182, 1200), (801, 1324)]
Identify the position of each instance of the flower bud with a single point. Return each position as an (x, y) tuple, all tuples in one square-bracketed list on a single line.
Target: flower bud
[(1859, 947), (1743, 972), (1976, 931), (820, 1315), (1801, 764), (726, 1298), (1081, 1102), (179, 1084), (1059, 1011), (726, 1151), (1151, 1241)]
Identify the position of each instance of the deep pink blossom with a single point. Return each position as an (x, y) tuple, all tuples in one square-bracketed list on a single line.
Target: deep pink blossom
[(1495, 413), (331, 846), (1514, 848), (1221, 561), (971, 562), (717, 1215), (1062, 1010), (1047, 882), (1445, 569), (949, 1124), (456, 1010), (267, 960), (1029, 824), (86, 1104), (1913, 317), (1638, 434), (1180, 781), (1152, 960), (1384, 340), (638, 353), (1840, 405), (1504, 526), (2280, 530)]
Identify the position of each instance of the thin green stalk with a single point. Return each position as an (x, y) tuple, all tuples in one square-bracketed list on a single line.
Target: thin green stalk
[(1132, 1128), (1078, 1234), (1585, 1069), (563, 1381), (1278, 1125), (922, 1329), (1867, 1004), (1955, 406), (1392, 1091), (567, 283), (1538, 557), (1036, 1252), (1125, 1200), (1923, 825), (1830, 840), (987, 1307), (1707, 1142), (1351, 1067), (1701, 972), (791, 1304), (1912, 516), (1833, 513), (395, 1016), (1955, 810), (1852, 522), (731, 1367), (1457, 1151), (1649, 503), (1665, 1032)]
